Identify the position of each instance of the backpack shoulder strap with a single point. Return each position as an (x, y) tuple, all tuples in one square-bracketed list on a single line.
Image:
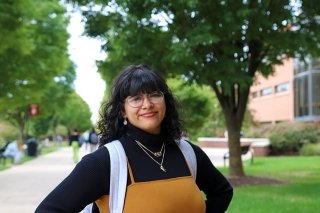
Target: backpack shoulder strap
[(118, 176), (190, 156), (118, 172)]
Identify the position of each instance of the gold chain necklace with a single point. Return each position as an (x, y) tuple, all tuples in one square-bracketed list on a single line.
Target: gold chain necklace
[(145, 151), (156, 154)]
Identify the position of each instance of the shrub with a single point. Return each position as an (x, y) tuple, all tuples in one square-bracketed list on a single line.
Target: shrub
[(7, 132), (291, 140), (277, 141), (310, 149)]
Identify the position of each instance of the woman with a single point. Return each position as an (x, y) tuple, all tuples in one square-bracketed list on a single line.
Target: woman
[(141, 114)]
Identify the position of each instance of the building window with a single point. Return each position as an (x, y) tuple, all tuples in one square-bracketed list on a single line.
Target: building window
[(307, 65), (306, 87), (266, 123), (266, 91), (254, 94), (301, 94), (315, 94), (315, 63), (300, 67), (282, 87)]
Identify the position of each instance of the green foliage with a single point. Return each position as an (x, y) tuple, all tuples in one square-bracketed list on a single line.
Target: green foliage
[(16, 32), (76, 114), (53, 101), (310, 149), (7, 132), (198, 106), (41, 126), (206, 41), (33, 51), (34, 61), (61, 130), (292, 139)]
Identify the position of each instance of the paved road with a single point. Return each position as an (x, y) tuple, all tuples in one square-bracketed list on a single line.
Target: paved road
[(23, 187)]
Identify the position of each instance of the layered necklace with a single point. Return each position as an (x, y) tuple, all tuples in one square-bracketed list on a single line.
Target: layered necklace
[(150, 153)]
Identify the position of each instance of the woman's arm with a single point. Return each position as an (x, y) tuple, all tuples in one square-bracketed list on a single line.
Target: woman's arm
[(86, 183), (217, 188)]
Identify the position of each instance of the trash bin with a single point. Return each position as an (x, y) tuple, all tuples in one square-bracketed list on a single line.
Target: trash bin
[(32, 147)]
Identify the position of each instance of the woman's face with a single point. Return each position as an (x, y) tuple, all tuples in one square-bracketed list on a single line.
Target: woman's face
[(146, 111)]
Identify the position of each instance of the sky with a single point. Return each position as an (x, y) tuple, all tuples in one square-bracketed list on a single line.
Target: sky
[(84, 52)]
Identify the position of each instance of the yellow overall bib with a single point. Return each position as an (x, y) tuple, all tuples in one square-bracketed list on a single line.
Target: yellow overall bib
[(175, 195)]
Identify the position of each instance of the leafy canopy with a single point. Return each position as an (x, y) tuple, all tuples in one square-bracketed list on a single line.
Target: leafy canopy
[(33, 49), (208, 41), (191, 97), (220, 43), (76, 114)]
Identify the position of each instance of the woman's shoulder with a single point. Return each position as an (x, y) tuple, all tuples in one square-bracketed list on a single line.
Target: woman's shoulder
[(195, 147), (197, 150), (100, 157)]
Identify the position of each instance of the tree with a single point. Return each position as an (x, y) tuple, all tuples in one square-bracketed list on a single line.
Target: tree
[(76, 114), (33, 52), (53, 101), (193, 98), (33, 49), (223, 44)]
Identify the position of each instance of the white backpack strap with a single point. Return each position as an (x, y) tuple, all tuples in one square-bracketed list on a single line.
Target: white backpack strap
[(87, 209), (118, 176), (190, 157)]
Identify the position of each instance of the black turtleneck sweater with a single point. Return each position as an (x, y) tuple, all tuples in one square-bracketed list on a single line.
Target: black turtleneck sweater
[(91, 177)]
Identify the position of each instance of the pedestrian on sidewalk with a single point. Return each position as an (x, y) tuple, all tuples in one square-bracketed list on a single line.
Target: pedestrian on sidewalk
[(165, 173), (93, 140), (74, 142)]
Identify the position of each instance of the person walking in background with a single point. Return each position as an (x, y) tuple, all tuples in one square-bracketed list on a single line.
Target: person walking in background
[(74, 142), (164, 173), (93, 140), (59, 140)]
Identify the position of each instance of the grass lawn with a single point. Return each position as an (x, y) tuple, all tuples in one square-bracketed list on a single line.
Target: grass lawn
[(300, 193)]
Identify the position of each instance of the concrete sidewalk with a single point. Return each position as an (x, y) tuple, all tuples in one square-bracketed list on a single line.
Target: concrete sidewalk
[(23, 187)]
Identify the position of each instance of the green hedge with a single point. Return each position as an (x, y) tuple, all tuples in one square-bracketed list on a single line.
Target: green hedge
[(310, 149), (286, 140)]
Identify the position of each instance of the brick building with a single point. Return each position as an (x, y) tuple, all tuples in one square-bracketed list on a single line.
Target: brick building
[(291, 94)]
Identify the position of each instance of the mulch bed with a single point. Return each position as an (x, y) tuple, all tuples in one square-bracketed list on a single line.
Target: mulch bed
[(252, 180)]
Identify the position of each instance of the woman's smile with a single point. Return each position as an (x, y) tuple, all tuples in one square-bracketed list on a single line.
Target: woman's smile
[(148, 114)]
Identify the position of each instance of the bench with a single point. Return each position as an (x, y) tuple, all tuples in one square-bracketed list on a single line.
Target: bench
[(245, 149), (4, 158), (260, 146)]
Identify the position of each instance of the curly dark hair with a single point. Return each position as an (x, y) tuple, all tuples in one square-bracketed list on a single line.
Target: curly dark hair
[(133, 80)]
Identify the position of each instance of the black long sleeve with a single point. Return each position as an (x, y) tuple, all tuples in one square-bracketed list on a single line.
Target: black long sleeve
[(90, 178), (217, 188)]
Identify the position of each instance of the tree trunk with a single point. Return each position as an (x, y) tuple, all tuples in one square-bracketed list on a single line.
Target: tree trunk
[(18, 117), (233, 103), (22, 121), (235, 161), (53, 125)]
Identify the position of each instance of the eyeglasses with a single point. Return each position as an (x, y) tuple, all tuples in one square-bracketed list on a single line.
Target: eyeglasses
[(137, 100)]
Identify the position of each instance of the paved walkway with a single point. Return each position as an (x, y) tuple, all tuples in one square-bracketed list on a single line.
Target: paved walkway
[(23, 187)]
